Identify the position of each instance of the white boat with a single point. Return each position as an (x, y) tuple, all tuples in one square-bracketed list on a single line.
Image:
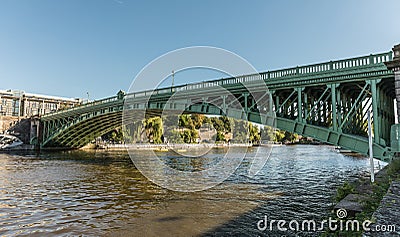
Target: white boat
[(9, 141)]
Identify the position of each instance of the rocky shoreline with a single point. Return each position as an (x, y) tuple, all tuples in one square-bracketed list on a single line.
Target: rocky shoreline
[(378, 201)]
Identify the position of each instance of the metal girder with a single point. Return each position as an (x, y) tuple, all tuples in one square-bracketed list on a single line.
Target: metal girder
[(354, 105), (335, 107), (347, 141), (319, 100)]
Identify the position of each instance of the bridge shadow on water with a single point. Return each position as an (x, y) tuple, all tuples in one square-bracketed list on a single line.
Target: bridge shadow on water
[(298, 183), (246, 224)]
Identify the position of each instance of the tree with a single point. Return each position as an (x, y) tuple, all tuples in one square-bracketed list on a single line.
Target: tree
[(189, 136), (219, 137), (186, 121), (175, 137), (197, 120), (279, 136), (227, 123), (154, 129), (114, 136), (240, 131), (285, 136), (206, 120), (254, 135), (218, 124), (267, 133), (126, 133), (290, 137)]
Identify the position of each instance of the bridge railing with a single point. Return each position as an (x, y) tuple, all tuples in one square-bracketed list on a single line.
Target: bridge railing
[(331, 66), (86, 105)]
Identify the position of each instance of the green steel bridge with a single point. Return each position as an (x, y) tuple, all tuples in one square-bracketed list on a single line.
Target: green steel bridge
[(326, 101)]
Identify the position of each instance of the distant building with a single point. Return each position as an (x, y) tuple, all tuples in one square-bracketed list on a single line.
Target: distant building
[(16, 105)]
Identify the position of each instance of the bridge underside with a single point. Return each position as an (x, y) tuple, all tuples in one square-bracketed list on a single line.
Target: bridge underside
[(328, 102), (83, 133), (86, 131)]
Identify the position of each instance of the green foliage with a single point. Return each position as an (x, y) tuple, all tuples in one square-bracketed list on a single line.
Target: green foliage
[(133, 132), (189, 136), (206, 120), (240, 131), (115, 136), (343, 191), (186, 121), (127, 134), (185, 128), (154, 129), (197, 120), (218, 124), (279, 136), (220, 137), (227, 123), (267, 134), (254, 135), (372, 200), (290, 137), (285, 136), (175, 137)]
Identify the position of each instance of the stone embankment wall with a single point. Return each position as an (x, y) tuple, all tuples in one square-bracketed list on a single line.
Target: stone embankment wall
[(25, 129)]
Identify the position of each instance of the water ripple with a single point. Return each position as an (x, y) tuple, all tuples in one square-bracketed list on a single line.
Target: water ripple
[(98, 193)]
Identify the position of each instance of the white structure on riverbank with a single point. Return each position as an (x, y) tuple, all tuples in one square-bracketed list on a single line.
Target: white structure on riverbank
[(16, 104)]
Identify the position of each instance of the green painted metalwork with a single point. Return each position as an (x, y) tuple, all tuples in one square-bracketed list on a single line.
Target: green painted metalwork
[(326, 101)]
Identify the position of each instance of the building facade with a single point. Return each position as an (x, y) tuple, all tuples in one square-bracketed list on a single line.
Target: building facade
[(16, 105)]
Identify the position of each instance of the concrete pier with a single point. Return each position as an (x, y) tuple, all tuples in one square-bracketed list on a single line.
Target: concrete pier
[(395, 66)]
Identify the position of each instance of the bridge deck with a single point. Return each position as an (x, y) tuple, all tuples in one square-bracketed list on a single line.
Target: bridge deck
[(361, 70)]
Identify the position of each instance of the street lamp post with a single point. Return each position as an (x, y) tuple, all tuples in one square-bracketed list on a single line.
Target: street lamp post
[(173, 78)]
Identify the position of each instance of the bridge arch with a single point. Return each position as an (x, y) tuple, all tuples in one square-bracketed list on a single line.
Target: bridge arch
[(325, 101)]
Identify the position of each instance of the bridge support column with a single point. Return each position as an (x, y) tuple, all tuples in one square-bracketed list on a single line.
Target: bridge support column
[(375, 112), (299, 104), (305, 107), (277, 105), (339, 110), (314, 116), (223, 104), (385, 119), (270, 103), (395, 66), (292, 110), (334, 105), (246, 108), (325, 113)]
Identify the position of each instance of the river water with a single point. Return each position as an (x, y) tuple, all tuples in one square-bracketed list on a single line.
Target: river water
[(100, 193)]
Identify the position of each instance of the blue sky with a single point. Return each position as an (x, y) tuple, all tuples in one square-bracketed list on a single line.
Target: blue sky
[(68, 48)]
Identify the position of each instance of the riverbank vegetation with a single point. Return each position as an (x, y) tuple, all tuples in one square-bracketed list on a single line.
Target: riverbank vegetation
[(370, 194), (197, 128)]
